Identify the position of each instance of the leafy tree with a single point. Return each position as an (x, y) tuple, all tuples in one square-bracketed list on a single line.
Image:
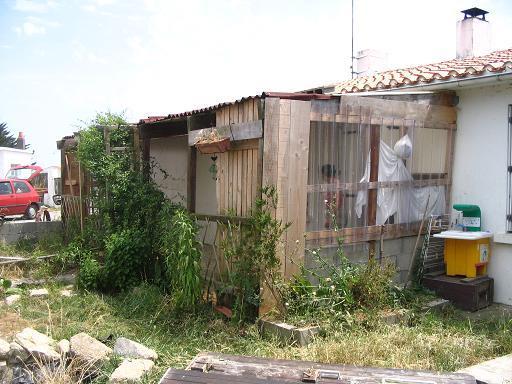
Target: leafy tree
[(6, 138)]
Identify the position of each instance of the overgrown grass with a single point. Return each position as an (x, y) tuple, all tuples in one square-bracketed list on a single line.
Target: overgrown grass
[(443, 342)]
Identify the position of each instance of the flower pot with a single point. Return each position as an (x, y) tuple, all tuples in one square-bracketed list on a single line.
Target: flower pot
[(214, 147)]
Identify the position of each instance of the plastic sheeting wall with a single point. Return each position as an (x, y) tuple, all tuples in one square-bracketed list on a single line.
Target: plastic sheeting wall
[(342, 137)]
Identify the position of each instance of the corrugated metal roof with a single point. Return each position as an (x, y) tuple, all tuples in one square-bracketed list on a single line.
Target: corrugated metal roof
[(282, 95)]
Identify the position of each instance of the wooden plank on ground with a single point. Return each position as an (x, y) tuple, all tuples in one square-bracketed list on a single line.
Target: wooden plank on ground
[(238, 368)]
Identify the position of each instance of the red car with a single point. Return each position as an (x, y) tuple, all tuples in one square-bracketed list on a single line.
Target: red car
[(18, 197)]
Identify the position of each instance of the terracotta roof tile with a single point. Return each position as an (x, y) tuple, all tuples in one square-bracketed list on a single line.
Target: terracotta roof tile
[(495, 62)]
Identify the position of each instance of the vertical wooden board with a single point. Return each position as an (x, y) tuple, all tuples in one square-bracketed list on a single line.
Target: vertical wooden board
[(235, 115), (270, 142), (243, 182), (255, 175), (450, 148), (258, 103), (297, 183), (249, 178), (239, 183), (245, 111), (230, 181), (250, 110), (218, 114), (222, 191)]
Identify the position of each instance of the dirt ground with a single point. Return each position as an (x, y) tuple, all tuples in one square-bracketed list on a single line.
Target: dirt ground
[(10, 324)]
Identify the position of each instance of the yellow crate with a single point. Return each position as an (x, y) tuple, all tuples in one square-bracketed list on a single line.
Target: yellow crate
[(466, 257)]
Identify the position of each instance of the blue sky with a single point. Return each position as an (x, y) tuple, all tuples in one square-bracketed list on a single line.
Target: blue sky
[(63, 60)]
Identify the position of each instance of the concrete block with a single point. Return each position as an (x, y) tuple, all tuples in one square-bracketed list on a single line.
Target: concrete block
[(435, 305), (287, 333), (496, 371), (13, 231)]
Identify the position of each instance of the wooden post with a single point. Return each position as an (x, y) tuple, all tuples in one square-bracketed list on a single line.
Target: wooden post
[(80, 197), (146, 150), (374, 177), (191, 172), (106, 139), (136, 148)]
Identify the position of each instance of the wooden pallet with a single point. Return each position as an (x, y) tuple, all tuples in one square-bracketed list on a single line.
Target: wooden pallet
[(215, 368), (469, 294)]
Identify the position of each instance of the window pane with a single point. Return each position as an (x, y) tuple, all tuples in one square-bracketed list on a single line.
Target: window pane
[(5, 188), (21, 187)]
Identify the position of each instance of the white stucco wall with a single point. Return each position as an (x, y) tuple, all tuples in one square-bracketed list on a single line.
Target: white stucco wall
[(479, 170), (206, 186), (11, 156), (171, 155), (53, 172)]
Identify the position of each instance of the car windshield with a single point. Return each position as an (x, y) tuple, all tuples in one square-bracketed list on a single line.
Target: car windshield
[(20, 173)]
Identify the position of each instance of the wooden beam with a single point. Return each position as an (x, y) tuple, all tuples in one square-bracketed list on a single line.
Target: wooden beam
[(374, 176), (360, 234), (236, 131), (354, 187), (433, 121), (225, 219)]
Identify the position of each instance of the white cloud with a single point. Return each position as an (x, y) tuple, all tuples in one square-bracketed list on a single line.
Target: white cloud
[(83, 55), (33, 6), (35, 26), (94, 5), (89, 7), (30, 29), (101, 3)]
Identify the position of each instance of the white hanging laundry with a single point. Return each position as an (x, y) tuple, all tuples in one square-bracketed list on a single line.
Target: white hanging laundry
[(405, 201)]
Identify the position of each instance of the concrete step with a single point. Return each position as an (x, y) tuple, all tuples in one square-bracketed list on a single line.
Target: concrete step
[(496, 371)]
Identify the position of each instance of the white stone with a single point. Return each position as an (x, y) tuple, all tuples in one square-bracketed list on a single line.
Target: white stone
[(88, 349), (66, 293), (128, 348), (33, 336), (37, 344), (43, 292), (12, 299), (63, 347), (4, 349), (131, 371)]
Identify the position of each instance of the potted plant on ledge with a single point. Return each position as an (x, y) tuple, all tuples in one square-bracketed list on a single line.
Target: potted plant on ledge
[(210, 141)]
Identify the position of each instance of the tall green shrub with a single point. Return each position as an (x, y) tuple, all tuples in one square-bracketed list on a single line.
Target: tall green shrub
[(135, 233)]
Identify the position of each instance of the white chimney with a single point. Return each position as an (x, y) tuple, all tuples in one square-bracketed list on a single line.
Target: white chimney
[(370, 61), (473, 34)]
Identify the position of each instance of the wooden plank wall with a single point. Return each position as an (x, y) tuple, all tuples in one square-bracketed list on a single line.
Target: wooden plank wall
[(285, 165), (237, 169)]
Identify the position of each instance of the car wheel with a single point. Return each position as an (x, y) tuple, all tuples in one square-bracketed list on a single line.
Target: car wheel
[(31, 212)]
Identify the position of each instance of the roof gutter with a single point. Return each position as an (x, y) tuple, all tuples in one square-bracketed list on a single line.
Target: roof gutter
[(440, 85)]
